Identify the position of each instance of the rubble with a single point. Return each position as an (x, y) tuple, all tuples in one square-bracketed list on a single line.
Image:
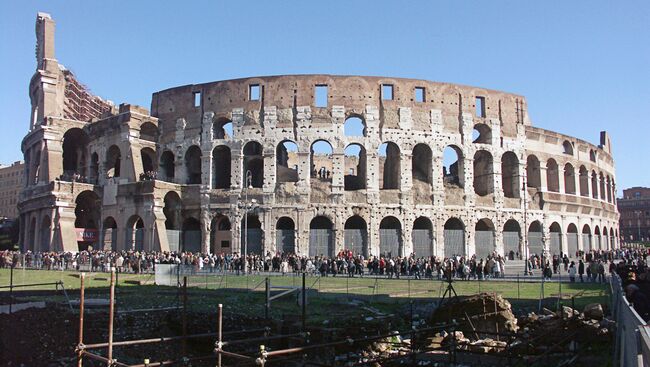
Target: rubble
[(488, 313), (594, 311)]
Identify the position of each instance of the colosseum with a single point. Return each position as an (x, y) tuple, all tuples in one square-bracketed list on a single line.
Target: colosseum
[(310, 164)]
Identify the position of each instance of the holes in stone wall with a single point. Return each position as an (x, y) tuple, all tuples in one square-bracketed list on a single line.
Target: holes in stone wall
[(354, 126), (167, 168), (197, 99), (253, 162), (355, 166), (286, 162), (452, 166), (221, 169), (254, 92), (483, 173), (420, 95), (387, 92), (389, 166), (320, 95), (510, 175), (480, 106)]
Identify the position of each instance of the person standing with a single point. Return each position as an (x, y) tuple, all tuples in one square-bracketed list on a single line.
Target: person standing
[(581, 270), (572, 272)]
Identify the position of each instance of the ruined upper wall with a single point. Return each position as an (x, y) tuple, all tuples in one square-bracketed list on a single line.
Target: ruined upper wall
[(354, 93), (54, 90)]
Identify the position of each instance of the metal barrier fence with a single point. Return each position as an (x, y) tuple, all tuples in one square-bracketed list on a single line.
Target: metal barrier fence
[(632, 333)]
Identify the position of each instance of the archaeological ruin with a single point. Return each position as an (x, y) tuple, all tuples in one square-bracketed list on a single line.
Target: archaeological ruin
[(310, 164)]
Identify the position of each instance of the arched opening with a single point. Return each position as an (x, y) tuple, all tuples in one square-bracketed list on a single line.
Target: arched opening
[(87, 217), (193, 165), (191, 235), (172, 212), (609, 189), (572, 240), (149, 132), (484, 238), (452, 166), (221, 169), (356, 235), (603, 194), (552, 176), (483, 173), (285, 232), (533, 172), (422, 237), (286, 162), (113, 162), (605, 240), (389, 166), (511, 239), (135, 234), (592, 155), (390, 237), (321, 158), (252, 235), (569, 179), (556, 239), (586, 238), (321, 237), (535, 243), (110, 234), (354, 126), (421, 162), (222, 129), (567, 147), (148, 164), (46, 234), (253, 163), (37, 169), (94, 168), (31, 244), (167, 168), (482, 134), (454, 236), (594, 185), (220, 235), (355, 167), (510, 175), (584, 181), (597, 239), (75, 150)]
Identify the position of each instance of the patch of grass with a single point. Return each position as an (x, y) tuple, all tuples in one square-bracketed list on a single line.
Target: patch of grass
[(329, 296)]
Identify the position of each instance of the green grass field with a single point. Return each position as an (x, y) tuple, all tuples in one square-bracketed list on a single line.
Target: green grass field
[(397, 289)]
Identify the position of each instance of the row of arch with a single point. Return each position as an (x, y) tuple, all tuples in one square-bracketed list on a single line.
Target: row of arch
[(602, 186), (355, 162), (321, 237)]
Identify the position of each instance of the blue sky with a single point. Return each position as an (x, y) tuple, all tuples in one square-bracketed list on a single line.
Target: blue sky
[(583, 65)]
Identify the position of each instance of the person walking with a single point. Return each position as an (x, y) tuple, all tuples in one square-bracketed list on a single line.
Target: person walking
[(572, 272)]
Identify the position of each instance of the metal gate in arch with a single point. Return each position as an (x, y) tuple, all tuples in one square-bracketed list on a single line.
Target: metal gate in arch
[(356, 240), (454, 242), (390, 242), (422, 242), (321, 242)]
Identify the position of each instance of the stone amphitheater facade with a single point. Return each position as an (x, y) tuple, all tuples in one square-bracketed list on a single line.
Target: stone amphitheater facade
[(176, 177)]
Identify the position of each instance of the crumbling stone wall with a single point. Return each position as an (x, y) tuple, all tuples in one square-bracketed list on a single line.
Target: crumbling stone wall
[(206, 167)]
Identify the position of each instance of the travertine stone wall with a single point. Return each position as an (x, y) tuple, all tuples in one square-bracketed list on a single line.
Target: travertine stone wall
[(184, 121)]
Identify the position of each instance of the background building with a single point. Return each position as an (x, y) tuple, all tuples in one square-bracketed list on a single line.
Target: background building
[(634, 208), (411, 166), (11, 183)]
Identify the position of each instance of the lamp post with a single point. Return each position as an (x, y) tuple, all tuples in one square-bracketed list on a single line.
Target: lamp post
[(247, 207), (638, 224), (524, 189)]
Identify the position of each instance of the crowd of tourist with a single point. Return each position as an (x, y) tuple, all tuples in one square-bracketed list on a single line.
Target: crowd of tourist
[(590, 267)]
